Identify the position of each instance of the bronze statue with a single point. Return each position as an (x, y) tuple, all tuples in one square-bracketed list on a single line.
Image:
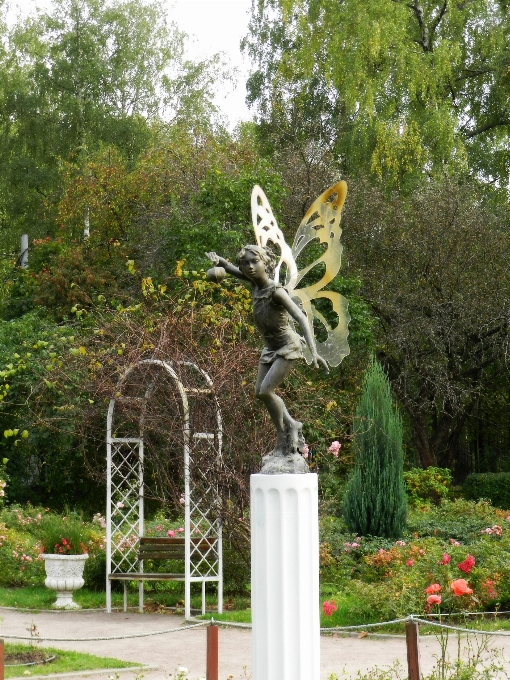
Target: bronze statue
[(274, 306)]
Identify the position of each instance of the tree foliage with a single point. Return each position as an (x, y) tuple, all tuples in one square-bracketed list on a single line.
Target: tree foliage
[(395, 88), (85, 75), (434, 268), (375, 500)]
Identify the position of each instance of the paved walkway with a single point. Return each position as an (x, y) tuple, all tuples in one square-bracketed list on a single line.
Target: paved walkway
[(188, 648)]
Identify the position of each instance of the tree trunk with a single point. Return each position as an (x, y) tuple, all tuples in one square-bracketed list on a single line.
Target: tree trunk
[(421, 440)]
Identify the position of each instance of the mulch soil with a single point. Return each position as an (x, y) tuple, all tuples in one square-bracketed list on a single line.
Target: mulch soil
[(29, 656)]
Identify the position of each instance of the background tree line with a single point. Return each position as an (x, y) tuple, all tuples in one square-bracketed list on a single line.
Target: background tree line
[(105, 126)]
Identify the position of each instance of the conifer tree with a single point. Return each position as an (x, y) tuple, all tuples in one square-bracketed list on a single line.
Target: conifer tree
[(375, 501)]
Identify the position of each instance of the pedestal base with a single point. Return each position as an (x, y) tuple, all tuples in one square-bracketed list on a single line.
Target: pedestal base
[(65, 600), (292, 464), (285, 577)]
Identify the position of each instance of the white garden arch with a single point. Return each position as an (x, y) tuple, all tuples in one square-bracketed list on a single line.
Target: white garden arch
[(125, 483)]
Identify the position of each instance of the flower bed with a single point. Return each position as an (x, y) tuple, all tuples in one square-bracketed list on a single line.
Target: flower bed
[(26, 533), (454, 558)]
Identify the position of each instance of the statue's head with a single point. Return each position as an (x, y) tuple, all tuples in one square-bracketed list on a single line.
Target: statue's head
[(265, 255)]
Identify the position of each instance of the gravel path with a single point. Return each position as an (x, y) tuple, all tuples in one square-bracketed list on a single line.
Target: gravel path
[(188, 648)]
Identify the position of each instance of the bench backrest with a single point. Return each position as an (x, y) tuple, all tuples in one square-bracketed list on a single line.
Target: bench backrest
[(170, 548)]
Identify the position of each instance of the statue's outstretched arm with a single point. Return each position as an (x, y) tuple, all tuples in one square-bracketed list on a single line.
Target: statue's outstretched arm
[(281, 297), (227, 266)]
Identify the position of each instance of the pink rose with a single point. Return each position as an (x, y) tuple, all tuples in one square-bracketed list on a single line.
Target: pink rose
[(335, 448), (410, 563), (306, 451), (434, 599), (170, 533)]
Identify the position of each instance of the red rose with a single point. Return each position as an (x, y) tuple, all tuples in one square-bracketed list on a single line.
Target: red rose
[(329, 607), (460, 587), (467, 565), (434, 588), (446, 559)]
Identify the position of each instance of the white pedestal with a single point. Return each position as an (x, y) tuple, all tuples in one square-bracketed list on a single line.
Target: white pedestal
[(285, 577)]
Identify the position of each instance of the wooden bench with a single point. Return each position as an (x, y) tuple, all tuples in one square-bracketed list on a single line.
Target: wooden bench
[(163, 549)]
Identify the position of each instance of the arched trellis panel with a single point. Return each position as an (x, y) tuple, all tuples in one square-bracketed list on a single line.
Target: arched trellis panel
[(201, 441)]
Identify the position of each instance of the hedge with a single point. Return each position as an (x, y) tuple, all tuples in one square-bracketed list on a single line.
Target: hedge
[(490, 485)]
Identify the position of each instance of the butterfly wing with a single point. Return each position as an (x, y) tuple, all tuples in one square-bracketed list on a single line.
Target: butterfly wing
[(322, 222), (267, 231)]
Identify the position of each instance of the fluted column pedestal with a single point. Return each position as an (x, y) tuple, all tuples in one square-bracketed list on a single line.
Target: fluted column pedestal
[(285, 577)]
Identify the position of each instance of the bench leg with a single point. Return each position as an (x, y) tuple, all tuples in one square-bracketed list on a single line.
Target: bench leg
[(125, 595), (140, 597), (203, 598)]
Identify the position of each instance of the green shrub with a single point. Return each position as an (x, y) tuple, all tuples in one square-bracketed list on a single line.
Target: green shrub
[(3, 480), (460, 519), (19, 558), (494, 486), (426, 486), (375, 501), (67, 535)]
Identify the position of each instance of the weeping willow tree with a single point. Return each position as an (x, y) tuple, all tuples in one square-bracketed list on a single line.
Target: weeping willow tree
[(375, 501)]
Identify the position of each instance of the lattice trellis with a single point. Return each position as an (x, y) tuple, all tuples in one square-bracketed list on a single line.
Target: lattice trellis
[(201, 439)]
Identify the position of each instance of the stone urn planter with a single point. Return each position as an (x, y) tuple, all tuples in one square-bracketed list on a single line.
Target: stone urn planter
[(64, 573)]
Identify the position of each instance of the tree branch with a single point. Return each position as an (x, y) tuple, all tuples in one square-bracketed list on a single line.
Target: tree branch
[(437, 20), (486, 127), (474, 73)]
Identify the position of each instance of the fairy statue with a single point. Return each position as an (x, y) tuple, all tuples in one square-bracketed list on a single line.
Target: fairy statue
[(277, 309)]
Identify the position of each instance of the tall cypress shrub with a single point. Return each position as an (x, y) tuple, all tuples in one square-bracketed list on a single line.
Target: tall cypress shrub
[(375, 501)]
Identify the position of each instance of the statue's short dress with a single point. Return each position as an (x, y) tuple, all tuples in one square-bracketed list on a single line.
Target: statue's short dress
[(273, 322)]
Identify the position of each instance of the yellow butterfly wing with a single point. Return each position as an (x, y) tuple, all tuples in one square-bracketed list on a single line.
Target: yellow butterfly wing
[(322, 222)]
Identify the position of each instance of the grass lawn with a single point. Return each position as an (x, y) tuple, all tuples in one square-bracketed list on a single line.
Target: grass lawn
[(65, 662), (243, 616), (40, 597), (344, 617), (348, 611)]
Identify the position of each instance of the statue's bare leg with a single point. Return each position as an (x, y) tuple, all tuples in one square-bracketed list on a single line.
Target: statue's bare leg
[(268, 379)]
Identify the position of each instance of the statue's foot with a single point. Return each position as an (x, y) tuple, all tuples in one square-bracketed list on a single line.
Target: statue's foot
[(281, 448), (286, 457), (296, 441), (290, 441)]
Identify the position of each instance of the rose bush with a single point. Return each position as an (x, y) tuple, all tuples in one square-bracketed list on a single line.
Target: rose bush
[(468, 570)]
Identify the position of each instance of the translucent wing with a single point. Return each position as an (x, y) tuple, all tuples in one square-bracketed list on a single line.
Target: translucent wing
[(268, 231), (322, 222)]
